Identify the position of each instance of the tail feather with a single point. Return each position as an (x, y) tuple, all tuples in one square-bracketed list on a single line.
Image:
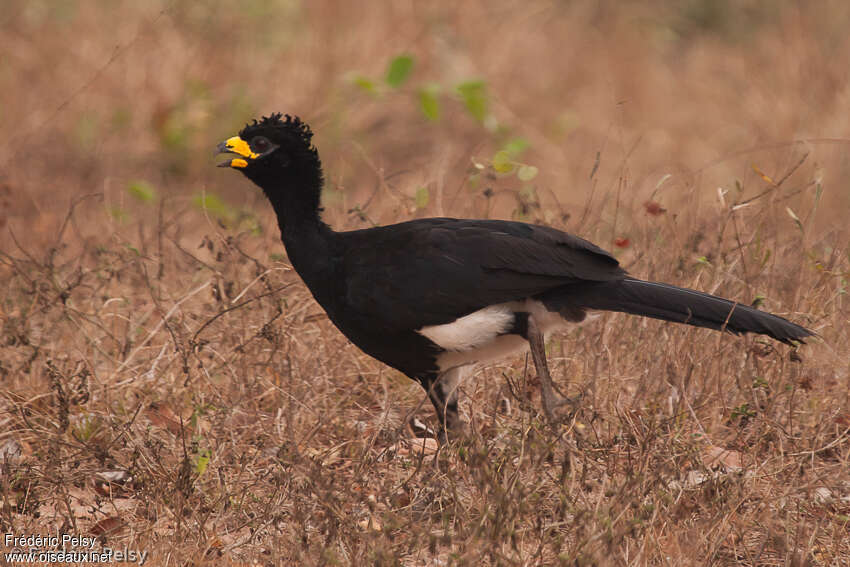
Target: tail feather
[(680, 305)]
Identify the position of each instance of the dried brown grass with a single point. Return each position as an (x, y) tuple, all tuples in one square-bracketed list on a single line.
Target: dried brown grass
[(153, 339)]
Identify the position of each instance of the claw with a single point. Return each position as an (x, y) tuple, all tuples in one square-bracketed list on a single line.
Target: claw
[(554, 402)]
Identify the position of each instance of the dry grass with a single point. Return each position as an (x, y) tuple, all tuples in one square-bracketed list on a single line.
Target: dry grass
[(170, 344)]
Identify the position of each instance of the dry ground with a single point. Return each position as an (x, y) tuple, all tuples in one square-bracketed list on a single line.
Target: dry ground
[(167, 382)]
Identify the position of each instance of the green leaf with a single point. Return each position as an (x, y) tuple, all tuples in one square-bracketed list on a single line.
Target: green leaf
[(202, 461), (366, 84), (251, 223), (142, 190), (399, 70), (214, 205), (429, 101), (474, 96), (422, 197), (526, 173), (516, 146), (502, 162)]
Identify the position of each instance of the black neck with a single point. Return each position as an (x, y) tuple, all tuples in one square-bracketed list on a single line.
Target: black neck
[(296, 216), (307, 239)]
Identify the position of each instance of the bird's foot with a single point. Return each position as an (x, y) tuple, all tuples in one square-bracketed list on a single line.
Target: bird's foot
[(559, 408), (456, 431)]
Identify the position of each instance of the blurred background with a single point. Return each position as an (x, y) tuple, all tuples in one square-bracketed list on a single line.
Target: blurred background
[(535, 110), (152, 329)]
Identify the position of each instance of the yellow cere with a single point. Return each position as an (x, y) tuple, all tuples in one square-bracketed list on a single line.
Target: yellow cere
[(241, 147), (238, 162)]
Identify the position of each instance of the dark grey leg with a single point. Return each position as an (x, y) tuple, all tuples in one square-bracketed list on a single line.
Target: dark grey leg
[(443, 393), (551, 400)]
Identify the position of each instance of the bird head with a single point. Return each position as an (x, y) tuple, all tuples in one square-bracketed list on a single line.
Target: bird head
[(276, 149)]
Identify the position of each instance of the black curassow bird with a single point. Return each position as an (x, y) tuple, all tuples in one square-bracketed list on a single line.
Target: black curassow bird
[(433, 296)]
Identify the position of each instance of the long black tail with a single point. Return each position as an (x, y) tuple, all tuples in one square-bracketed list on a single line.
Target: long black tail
[(680, 305)]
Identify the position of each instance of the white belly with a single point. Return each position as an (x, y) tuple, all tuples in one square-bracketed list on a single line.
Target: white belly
[(479, 337)]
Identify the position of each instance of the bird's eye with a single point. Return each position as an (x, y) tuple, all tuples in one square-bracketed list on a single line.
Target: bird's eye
[(260, 144)]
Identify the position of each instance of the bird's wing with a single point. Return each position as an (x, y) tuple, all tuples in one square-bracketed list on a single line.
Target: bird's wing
[(432, 271)]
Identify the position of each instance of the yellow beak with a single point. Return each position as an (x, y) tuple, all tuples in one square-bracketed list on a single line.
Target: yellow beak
[(238, 146)]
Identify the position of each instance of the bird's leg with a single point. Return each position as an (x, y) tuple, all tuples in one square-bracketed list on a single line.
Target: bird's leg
[(551, 400), (443, 394)]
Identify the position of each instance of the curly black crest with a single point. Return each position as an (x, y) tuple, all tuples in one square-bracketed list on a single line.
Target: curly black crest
[(277, 120)]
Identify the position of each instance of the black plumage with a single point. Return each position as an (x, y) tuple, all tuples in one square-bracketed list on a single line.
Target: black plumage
[(430, 296)]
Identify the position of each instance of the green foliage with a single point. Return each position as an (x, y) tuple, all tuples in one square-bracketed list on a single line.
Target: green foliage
[(422, 197), (743, 411), (505, 160), (214, 205), (142, 190), (366, 84), (202, 461), (118, 214), (474, 96), (502, 162), (250, 223), (399, 70), (429, 101), (516, 146)]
